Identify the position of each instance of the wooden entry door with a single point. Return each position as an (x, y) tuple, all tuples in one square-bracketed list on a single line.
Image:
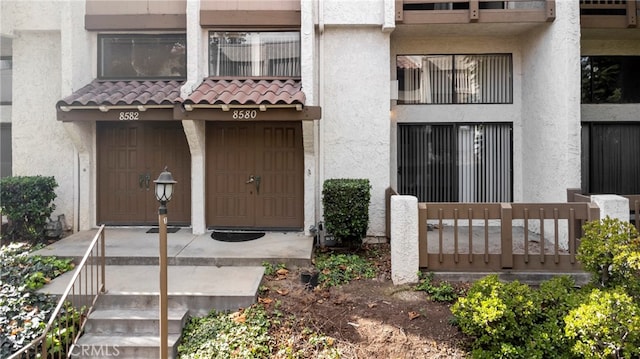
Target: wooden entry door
[(132, 155), (255, 175)]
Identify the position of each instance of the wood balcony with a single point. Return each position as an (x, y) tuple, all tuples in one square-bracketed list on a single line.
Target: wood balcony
[(608, 14), (412, 12)]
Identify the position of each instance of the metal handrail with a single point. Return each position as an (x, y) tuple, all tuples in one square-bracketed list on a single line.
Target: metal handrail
[(83, 277)]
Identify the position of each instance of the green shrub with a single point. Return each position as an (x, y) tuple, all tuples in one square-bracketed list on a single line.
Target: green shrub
[(610, 249), (512, 320), (27, 203), (606, 325), (346, 209)]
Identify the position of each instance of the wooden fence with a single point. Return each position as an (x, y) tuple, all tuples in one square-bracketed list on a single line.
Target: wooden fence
[(491, 237), (518, 242)]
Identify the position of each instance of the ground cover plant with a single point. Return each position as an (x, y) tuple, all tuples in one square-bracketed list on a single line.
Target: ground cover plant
[(23, 311), (354, 312)]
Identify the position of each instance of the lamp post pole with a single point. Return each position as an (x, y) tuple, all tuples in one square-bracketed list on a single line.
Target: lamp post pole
[(164, 192), (164, 332)]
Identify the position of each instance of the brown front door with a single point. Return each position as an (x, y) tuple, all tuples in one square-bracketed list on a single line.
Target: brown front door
[(132, 155), (255, 175)]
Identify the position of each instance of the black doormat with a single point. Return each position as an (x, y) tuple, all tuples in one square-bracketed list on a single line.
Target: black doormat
[(169, 230), (235, 236)]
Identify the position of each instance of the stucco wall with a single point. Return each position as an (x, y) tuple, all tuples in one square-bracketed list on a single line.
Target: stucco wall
[(551, 107), (40, 144), (355, 124)]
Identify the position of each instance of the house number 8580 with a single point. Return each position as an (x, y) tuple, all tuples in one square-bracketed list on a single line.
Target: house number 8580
[(244, 114)]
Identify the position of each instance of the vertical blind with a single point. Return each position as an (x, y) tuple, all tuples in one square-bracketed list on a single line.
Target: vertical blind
[(462, 79), (254, 54), (614, 164), (452, 163)]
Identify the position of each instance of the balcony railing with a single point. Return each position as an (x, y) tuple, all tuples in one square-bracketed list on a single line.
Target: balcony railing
[(474, 11), (608, 13)]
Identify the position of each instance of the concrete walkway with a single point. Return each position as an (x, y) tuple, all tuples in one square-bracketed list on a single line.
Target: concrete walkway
[(133, 246), (203, 273)]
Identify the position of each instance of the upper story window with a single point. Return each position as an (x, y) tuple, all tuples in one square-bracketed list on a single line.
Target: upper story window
[(610, 79), (454, 79), (6, 71), (135, 56), (254, 54)]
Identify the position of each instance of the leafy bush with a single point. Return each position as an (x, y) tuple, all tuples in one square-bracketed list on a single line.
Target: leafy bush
[(23, 311), (512, 320), (610, 249), (346, 209), (337, 269), (439, 292), (607, 325), (27, 203)]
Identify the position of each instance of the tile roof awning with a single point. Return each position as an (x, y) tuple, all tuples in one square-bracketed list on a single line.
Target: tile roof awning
[(150, 100), (211, 100), (259, 99)]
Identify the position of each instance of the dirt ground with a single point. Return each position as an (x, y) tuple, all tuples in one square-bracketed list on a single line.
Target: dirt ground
[(368, 318)]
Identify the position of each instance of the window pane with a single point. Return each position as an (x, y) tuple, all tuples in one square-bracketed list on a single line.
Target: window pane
[(451, 163), (142, 56), (426, 162), (483, 79), (446, 79), (610, 79), (6, 78), (484, 160), (253, 54), (614, 166)]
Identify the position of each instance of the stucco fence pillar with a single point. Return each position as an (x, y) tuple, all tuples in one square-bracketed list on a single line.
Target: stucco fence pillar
[(612, 205), (405, 255)]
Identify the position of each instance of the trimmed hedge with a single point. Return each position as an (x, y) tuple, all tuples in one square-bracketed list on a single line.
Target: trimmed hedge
[(27, 202), (346, 209)]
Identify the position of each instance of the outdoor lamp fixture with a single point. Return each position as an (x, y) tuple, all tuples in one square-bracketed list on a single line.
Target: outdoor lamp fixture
[(164, 192), (164, 189)]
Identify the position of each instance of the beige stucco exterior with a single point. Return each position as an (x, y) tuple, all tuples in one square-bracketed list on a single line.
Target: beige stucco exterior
[(348, 56)]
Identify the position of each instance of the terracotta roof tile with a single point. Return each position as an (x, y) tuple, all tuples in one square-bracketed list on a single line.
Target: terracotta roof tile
[(244, 92), (111, 93)]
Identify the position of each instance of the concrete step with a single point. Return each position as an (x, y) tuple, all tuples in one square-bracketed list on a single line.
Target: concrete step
[(131, 346), (138, 321), (197, 288)]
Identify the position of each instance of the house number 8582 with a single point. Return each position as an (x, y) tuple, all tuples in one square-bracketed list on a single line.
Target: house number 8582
[(244, 114), (129, 116)]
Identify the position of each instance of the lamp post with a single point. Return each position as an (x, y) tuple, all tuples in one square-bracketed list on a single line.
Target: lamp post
[(164, 192)]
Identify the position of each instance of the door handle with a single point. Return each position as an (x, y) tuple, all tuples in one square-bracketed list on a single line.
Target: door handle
[(141, 180), (251, 179), (258, 179)]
